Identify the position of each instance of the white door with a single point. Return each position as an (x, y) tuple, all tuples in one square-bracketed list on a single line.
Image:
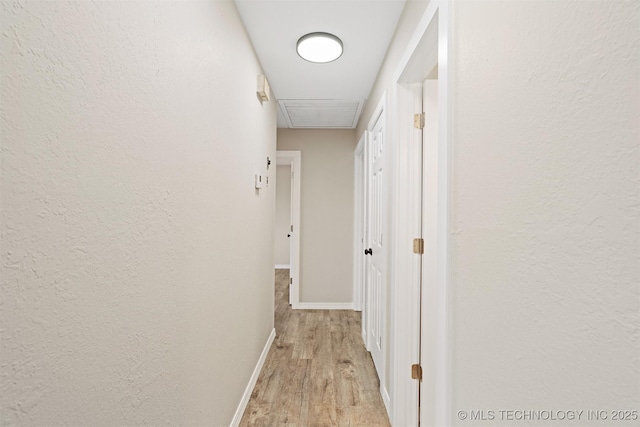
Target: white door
[(376, 291)]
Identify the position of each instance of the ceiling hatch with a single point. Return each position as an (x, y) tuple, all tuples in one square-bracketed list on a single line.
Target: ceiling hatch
[(321, 113)]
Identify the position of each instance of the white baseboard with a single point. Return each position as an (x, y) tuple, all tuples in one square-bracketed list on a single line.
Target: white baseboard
[(282, 267), (387, 401), (324, 306), (235, 422)]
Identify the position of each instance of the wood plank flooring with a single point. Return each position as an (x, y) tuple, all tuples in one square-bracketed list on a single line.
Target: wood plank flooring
[(317, 373)]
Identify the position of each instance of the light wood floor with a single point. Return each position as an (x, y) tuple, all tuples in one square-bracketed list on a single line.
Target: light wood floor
[(317, 373)]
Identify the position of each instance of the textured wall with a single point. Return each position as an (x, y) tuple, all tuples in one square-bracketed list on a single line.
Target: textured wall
[(545, 193), (326, 239), (281, 248), (545, 221), (137, 276), (411, 15)]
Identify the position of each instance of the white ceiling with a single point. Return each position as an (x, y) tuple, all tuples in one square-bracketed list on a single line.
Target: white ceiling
[(330, 91)]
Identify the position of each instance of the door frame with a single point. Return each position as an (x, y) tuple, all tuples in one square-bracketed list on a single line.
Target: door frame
[(294, 159), (430, 46), (359, 225)]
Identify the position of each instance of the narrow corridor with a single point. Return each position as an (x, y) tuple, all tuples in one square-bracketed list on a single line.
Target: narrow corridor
[(317, 373)]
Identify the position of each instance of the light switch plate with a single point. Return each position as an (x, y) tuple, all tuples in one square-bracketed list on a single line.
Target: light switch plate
[(263, 90)]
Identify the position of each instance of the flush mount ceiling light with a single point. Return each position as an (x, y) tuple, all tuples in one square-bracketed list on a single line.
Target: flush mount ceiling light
[(319, 47)]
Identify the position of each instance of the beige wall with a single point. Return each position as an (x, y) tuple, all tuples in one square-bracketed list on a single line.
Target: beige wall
[(326, 239), (544, 272), (545, 222), (130, 136), (281, 253), (409, 18)]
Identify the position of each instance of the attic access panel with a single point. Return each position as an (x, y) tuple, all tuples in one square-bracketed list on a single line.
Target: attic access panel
[(321, 113)]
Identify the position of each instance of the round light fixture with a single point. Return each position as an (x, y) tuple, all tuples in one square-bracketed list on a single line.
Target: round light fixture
[(319, 47)]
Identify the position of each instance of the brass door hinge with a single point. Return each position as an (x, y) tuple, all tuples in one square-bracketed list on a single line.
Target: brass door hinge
[(291, 280), (292, 228), (418, 246), (418, 121), (416, 372)]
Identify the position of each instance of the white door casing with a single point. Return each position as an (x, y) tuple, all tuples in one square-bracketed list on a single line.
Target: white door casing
[(359, 229)]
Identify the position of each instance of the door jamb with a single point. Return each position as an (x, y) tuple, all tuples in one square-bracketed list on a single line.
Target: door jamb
[(432, 37), (293, 158)]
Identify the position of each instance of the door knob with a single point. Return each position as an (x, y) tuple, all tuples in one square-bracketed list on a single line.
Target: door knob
[(368, 251)]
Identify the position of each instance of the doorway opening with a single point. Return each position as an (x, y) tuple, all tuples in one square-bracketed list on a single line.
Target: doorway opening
[(282, 237), (287, 227), (421, 307)]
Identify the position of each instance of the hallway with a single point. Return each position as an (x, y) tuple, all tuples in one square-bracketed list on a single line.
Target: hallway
[(317, 373), (139, 145)]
